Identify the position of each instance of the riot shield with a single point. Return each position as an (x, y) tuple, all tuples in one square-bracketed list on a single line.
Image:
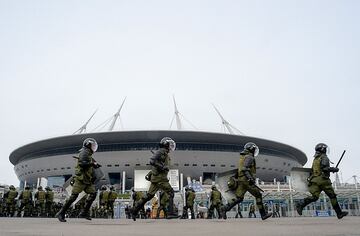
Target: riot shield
[(299, 178), (222, 180)]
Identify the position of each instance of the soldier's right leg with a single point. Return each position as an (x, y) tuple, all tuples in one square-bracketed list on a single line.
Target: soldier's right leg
[(185, 212), (61, 214), (315, 191), (257, 194), (218, 210), (21, 208), (328, 189), (192, 212), (166, 187), (239, 193), (85, 213), (154, 187), (211, 212)]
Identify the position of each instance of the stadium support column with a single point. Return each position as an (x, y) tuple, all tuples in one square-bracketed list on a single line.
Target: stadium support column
[(291, 205), (181, 181), (325, 203), (123, 182), (357, 193), (201, 180)]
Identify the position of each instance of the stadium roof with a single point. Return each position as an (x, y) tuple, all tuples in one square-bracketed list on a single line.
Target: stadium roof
[(223, 142)]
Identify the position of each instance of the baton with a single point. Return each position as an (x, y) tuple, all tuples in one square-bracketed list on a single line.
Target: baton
[(340, 158), (258, 188)]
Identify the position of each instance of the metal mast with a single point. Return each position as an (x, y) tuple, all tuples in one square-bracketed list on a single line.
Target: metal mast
[(83, 128), (177, 115), (116, 116), (226, 124)]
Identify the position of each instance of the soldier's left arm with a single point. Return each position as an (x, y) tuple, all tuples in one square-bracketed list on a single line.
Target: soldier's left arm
[(248, 162), (325, 165)]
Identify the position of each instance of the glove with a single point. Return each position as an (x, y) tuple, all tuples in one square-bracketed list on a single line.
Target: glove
[(334, 169), (148, 176), (96, 165)]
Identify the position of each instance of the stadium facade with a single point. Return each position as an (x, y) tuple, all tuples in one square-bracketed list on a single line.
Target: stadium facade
[(198, 155)]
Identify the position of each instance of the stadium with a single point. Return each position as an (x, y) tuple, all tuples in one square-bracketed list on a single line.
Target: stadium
[(197, 155)]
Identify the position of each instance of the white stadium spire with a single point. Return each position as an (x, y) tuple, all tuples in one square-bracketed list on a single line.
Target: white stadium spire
[(230, 128), (116, 116), (176, 116), (83, 128)]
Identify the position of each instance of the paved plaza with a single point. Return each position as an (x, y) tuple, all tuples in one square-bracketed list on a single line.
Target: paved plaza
[(252, 227)]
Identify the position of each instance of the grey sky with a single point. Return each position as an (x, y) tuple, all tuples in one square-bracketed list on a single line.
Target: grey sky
[(281, 70)]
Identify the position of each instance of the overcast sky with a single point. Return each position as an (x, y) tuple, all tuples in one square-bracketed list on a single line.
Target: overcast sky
[(281, 70)]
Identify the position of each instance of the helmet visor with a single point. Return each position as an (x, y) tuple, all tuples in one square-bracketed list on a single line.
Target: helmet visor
[(172, 145), (94, 146), (256, 152)]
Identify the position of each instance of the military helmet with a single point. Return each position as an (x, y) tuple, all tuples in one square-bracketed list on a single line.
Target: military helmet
[(40, 188), (167, 142), (112, 187), (91, 144), (322, 148), (213, 187), (27, 187), (103, 187), (48, 188), (12, 187), (252, 147)]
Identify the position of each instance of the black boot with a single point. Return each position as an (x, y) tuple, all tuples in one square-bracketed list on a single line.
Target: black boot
[(339, 213), (61, 214), (223, 210), (184, 214), (263, 214), (135, 210), (192, 215), (84, 214), (299, 208)]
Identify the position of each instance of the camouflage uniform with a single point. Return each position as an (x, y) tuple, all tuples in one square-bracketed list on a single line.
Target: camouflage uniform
[(26, 202), (189, 198), (112, 197), (84, 181), (164, 204), (103, 201), (246, 181), (10, 201), (216, 203), (160, 163), (252, 211), (49, 197), (320, 181), (40, 198), (137, 196)]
